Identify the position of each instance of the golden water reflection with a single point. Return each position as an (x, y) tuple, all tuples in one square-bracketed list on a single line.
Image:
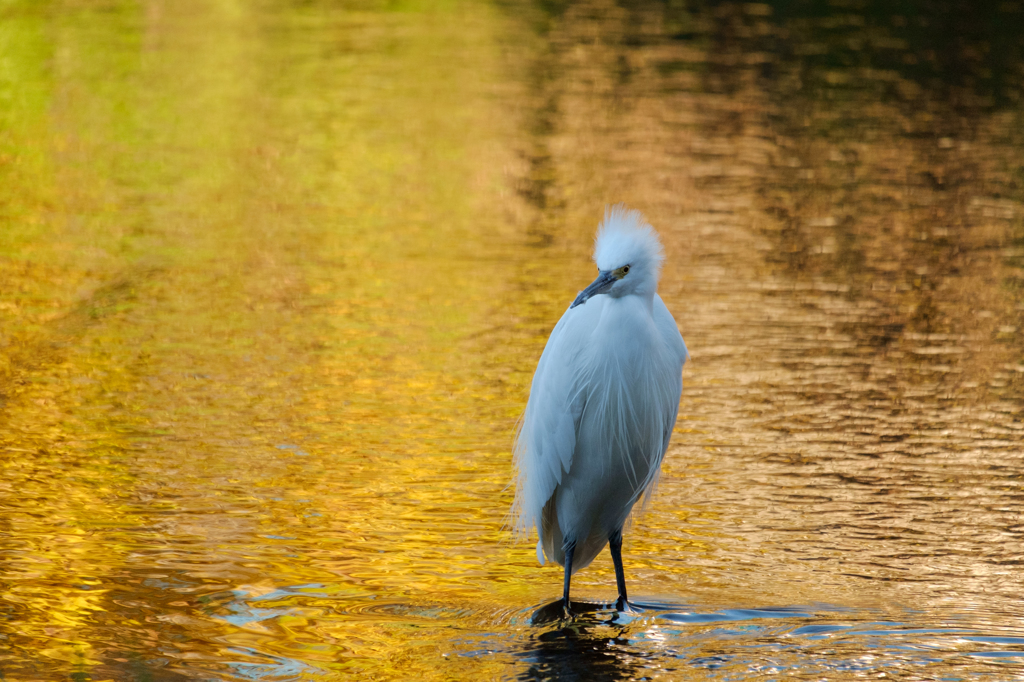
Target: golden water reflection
[(275, 278)]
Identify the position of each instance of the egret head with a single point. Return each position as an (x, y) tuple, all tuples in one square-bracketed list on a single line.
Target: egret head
[(628, 256)]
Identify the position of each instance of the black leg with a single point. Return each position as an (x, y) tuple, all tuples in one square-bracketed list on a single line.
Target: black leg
[(615, 545), (569, 550)]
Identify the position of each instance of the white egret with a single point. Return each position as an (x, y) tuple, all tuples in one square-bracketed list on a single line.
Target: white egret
[(602, 405)]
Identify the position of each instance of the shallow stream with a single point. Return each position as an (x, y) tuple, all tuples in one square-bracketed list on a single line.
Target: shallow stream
[(274, 277)]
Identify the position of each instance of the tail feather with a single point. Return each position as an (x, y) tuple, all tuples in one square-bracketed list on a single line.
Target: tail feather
[(552, 544)]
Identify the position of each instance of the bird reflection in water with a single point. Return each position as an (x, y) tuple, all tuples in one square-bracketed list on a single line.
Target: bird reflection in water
[(583, 649)]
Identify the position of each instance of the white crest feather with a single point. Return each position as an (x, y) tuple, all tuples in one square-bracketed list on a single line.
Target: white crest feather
[(625, 237)]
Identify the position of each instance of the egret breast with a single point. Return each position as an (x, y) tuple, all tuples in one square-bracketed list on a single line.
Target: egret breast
[(630, 378)]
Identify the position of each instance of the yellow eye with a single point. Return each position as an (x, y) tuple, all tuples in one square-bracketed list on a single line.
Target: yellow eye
[(625, 269)]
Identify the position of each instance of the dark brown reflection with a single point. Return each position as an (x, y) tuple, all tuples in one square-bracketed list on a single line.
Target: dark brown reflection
[(840, 193), (583, 651)]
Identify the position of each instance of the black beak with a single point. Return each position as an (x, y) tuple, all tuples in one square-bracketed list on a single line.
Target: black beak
[(601, 285)]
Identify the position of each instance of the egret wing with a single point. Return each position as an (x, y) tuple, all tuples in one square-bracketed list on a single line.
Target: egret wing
[(547, 436), (669, 331), (666, 326)]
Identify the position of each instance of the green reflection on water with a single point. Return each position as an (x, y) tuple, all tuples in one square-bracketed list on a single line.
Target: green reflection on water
[(245, 298)]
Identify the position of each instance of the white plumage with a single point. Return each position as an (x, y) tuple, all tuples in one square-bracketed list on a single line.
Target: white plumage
[(602, 405)]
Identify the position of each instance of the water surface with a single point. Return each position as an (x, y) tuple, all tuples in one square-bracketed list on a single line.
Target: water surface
[(274, 278)]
